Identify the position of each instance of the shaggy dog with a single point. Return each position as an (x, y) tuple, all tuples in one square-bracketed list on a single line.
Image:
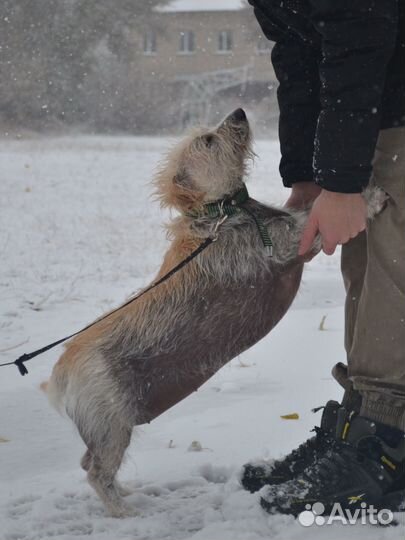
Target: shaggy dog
[(131, 367)]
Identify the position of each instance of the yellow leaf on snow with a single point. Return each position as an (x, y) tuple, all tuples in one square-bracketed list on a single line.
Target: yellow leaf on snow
[(292, 416)]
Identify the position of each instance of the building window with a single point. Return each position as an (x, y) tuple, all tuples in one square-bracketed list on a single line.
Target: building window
[(263, 45), (187, 42), (225, 41), (149, 42)]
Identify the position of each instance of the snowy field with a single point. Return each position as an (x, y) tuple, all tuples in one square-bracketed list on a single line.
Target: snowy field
[(79, 232)]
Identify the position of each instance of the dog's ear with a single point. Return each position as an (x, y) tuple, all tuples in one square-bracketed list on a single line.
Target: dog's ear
[(184, 195)]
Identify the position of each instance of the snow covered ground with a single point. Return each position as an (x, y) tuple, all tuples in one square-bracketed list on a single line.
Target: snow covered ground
[(79, 233)]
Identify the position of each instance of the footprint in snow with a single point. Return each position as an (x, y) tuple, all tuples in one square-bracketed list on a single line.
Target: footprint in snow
[(21, 506)]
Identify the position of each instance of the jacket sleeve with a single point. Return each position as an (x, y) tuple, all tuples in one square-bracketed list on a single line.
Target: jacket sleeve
[(295, 64), (296, 68), (358, 40)]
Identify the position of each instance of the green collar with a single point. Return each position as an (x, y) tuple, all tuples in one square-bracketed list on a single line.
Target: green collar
[(224, 208)]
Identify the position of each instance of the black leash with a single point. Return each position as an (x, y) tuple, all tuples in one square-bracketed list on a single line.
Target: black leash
[(26, 357)]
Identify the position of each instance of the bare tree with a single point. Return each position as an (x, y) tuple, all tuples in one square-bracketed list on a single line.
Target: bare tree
[(48, 50)]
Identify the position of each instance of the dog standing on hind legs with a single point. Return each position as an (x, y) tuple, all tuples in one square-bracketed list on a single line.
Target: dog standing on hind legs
[(140, 361)]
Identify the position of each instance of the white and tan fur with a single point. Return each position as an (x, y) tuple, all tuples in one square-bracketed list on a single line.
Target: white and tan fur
[(138, 362)]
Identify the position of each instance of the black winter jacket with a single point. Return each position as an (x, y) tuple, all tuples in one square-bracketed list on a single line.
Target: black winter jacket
[(341, 69)]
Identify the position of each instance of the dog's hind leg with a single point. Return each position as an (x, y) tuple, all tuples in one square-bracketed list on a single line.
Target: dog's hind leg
[(103, 461), (86, 463), (107, 459)]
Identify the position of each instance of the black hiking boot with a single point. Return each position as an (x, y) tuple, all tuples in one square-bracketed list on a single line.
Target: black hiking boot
[(363, 470), (256, 475)]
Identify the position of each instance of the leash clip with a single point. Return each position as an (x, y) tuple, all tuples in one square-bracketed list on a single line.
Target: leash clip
[(217, 226)]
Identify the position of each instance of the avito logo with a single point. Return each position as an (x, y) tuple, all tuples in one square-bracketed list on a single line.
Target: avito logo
[(366, 515)]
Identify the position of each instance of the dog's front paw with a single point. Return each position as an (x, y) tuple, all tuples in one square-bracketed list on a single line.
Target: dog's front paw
[(376, 199)]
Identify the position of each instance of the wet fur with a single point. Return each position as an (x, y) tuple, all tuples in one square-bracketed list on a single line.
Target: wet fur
[(131, 367)]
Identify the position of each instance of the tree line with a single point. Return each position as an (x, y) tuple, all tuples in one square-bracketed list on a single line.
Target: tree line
[(66, 62)]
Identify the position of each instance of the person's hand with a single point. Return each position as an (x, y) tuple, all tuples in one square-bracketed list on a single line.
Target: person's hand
[(337, 217), (302, 195)]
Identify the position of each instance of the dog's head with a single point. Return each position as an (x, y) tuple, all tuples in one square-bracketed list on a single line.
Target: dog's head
[(208, 165)]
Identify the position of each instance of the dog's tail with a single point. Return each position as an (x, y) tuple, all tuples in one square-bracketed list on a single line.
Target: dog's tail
[(55, 387)]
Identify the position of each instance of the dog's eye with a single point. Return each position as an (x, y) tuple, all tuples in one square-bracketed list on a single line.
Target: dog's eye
[(208, 140)]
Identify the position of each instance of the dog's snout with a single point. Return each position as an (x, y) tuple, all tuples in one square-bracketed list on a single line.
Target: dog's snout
[(237, 116), (236, 126), (236, 121)]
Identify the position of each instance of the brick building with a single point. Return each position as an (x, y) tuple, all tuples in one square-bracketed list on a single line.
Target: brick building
[(207, 52)]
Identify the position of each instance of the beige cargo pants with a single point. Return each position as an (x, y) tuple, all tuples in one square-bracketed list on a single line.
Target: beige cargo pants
[(373, 268)]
